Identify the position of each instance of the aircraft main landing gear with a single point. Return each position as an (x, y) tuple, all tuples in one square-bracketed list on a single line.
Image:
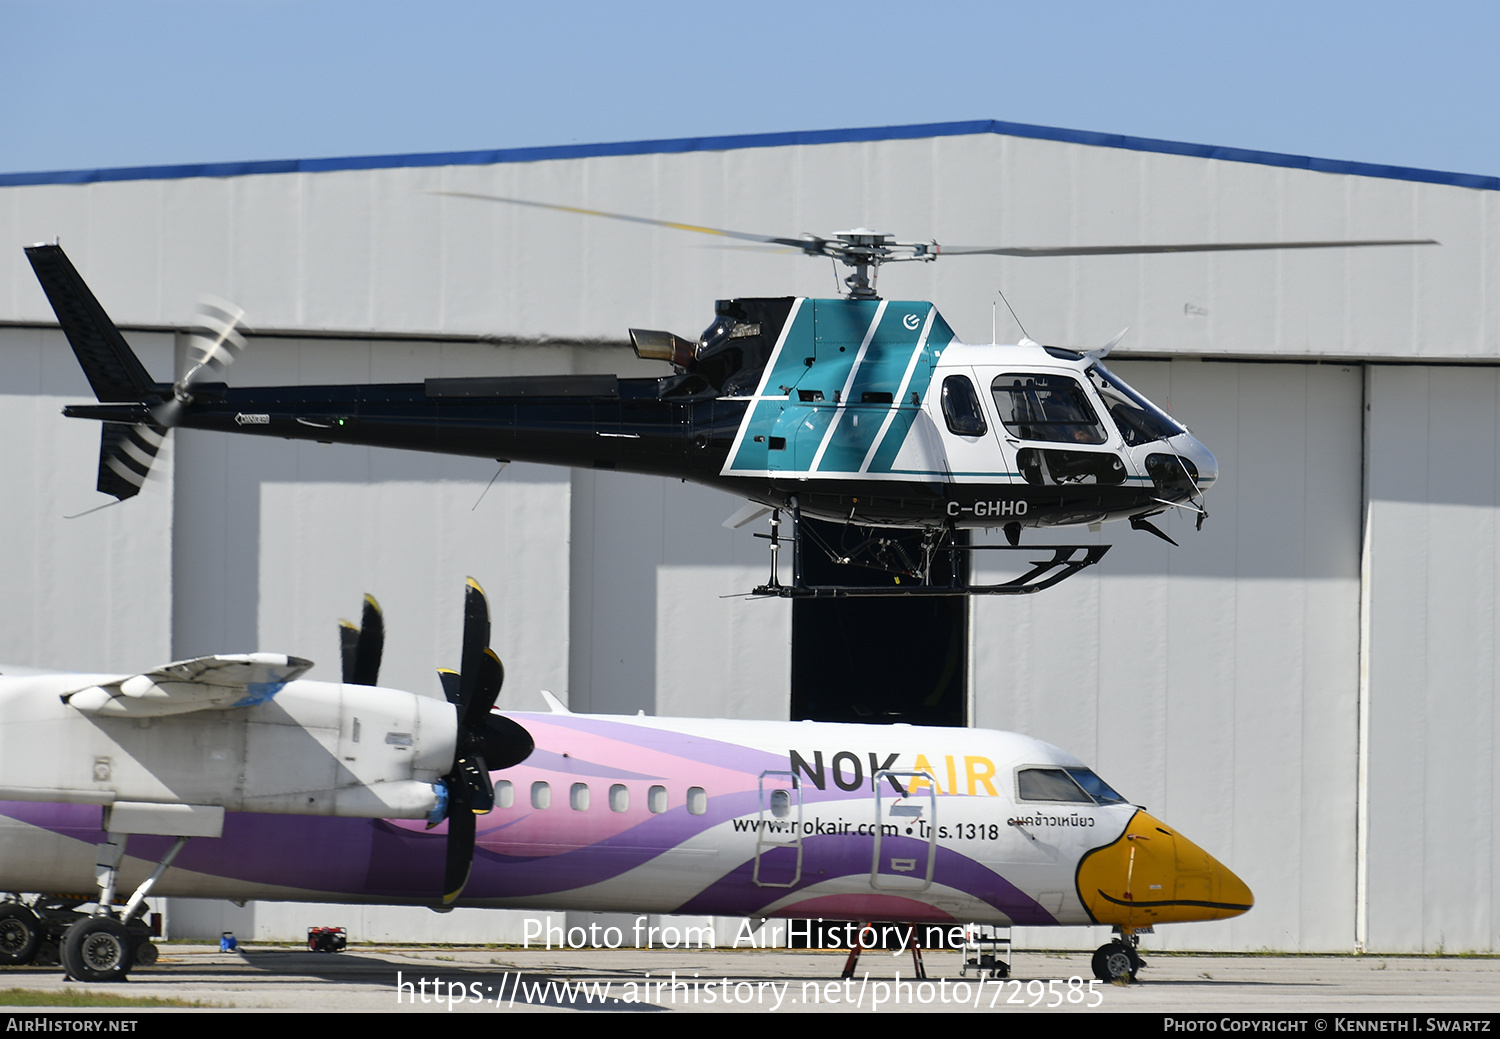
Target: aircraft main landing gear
[(20, 934), (98, 949), (103, 947), (1118, 961)]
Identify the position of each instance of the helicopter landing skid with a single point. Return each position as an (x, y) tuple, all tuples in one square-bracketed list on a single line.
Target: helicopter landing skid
[(1065, 561)]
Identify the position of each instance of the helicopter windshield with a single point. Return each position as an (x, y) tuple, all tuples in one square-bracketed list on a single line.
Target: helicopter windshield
[(1139, 421)]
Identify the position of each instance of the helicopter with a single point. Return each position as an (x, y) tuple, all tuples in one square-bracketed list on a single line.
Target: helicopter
[(862, 412)]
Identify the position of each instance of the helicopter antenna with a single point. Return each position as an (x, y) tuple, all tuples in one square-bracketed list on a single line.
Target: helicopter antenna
[(1012, 310)]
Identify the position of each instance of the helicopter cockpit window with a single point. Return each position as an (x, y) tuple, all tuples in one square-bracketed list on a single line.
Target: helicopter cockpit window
[(961, 407), (1139, 421), (1051, 408), (1076, 785)]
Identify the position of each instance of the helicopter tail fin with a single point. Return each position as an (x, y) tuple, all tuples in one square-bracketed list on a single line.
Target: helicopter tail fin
[(125, 455), (112, 368), (126, 449)]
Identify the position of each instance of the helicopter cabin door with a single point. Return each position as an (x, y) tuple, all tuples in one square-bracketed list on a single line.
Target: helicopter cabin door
[(971, 445), (1049, 421)]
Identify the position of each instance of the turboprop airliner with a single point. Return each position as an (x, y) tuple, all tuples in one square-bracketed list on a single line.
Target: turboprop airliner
[(241, 781)]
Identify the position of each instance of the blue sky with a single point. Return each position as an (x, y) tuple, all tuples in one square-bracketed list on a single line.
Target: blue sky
[(89, 83)]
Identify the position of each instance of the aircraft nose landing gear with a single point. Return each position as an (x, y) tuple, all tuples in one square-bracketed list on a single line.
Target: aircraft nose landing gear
[(1118, 961)]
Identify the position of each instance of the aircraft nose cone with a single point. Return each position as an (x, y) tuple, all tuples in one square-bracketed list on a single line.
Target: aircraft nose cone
[(1151, 874)]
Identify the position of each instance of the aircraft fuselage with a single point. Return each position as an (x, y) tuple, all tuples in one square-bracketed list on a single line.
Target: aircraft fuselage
[(763, 819)]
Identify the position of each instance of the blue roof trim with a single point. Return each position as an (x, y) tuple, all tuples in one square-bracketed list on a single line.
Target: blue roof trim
[(761, 140)]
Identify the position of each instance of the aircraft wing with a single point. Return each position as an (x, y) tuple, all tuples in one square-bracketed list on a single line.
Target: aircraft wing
[(201, 684)]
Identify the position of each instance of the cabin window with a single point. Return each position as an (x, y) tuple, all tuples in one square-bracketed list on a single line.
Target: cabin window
[(656, 799), (697, 800), (505, 794), (619, 798), (541, 794), (1052, 408), (781, 804), (961, 408), (578, 797)]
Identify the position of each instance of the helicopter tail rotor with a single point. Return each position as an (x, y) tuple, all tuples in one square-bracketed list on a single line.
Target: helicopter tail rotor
[(212, 348)]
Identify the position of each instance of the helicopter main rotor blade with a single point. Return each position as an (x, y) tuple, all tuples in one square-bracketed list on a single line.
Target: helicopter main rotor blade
[(809, 244), (1188, 247)]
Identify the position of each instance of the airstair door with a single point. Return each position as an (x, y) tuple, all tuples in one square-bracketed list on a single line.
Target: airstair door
[(778, 831), (905, 832)]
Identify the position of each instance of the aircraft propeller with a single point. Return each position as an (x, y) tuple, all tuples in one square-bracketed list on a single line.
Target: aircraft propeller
[(486, 741), (361, 645)]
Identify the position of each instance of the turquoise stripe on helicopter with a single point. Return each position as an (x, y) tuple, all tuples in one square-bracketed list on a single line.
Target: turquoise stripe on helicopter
[(937, 338), (835, 354)]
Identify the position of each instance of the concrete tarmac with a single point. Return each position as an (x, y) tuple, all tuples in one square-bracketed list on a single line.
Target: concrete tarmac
[(450, 980)]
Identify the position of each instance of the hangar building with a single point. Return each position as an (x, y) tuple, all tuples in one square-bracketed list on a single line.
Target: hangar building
[(1306, 686)]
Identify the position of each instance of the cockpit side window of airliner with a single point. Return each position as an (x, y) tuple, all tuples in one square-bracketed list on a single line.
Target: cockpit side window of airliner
[(1051, 408), (1101, 791), (1076, 785), (961, 407), (1139, 421)]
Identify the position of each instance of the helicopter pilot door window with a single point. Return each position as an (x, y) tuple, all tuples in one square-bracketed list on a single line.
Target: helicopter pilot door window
[(1055, 409), (971, 447)]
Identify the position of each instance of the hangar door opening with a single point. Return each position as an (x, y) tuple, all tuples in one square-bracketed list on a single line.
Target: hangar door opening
[(878, 659)]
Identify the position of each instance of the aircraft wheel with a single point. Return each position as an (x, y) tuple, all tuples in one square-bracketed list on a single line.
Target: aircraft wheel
[(97, 949), (1116, 962), (146, 953), (20, 934)]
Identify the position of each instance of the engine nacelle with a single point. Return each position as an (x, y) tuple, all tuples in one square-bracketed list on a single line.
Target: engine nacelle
[(307, 748)]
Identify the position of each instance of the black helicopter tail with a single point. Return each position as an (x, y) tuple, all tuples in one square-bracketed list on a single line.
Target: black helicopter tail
[(126, 450), (113, 370)]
